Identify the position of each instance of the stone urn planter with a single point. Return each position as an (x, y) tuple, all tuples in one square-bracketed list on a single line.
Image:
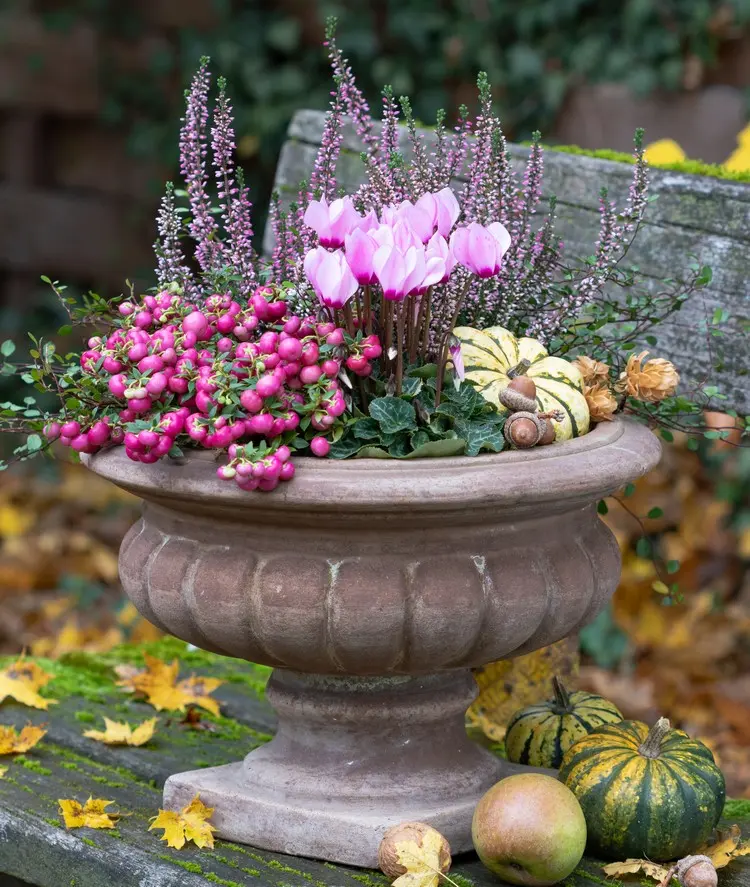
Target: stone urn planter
[(372, 587)]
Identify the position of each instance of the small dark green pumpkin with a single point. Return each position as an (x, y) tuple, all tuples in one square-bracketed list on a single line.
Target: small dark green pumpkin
[(541, 734), (654, 794)]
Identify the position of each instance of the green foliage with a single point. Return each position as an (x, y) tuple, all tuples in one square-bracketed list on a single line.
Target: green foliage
[(410, 426), (535, 51)]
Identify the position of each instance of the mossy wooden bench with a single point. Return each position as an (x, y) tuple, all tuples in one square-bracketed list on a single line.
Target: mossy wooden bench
[(36, 849)]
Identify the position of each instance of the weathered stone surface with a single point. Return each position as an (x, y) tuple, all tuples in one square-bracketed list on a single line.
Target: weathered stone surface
[(694, 219)]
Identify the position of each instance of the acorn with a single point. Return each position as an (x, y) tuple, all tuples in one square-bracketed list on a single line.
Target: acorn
[(523, 385), (549, 433), (408, 831), (696, 871), (524, 429)]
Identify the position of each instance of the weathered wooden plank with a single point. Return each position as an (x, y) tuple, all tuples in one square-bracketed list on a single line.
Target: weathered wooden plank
[(694, 219), (35, 847)]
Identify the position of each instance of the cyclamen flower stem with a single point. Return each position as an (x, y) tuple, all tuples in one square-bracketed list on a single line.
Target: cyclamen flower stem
[(348, 318), (425, 323), (400, 345), (443, 350), (368, 310), (420, 335)]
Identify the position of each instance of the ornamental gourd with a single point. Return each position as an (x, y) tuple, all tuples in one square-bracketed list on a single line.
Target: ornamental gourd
[(540, 734), (492, 356), (654, 794)]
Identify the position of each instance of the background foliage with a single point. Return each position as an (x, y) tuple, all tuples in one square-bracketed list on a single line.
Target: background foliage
[(270, 52)]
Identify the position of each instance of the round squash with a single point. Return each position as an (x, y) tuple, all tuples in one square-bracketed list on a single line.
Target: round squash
[(654, 794), (540, 734), (489, 355)]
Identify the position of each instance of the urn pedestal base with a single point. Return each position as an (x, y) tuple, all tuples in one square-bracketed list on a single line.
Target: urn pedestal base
[(352, 757)]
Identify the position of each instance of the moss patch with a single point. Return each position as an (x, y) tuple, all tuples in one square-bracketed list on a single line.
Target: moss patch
[(34, 766), (188, 866), (739, 809), (85, 717), (691, 167)]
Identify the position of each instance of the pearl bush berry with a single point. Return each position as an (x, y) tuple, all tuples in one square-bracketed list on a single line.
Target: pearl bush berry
[(253, 380)]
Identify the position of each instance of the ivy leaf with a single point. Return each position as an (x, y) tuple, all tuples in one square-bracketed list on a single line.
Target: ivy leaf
[(400, 447), (411, 387), (344, 448), (393, 414), (373, 452), (439, 448), (480, 436), (428, 371), (366, 429)]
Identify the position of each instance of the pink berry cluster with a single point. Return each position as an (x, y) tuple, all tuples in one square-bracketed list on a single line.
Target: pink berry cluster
[(254, 380)]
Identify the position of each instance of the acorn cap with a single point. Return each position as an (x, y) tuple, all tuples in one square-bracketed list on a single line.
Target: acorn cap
[(516, 402)]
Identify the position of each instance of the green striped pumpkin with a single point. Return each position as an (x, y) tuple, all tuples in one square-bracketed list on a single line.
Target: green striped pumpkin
[(540, 734), (654, 794), (488, 355)]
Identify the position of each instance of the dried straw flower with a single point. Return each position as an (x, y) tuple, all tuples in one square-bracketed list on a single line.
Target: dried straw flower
[(594, 372), (651, 381), (601, 402)]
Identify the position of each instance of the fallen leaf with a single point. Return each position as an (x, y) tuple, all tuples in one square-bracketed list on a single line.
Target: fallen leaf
[(3, 771), (194, 720), (116, 733), (92, 814), (634, 866), (158, 683), (422, 864), (721, 852), (725, 848), (21, 681), (12, 743), (190, 824)]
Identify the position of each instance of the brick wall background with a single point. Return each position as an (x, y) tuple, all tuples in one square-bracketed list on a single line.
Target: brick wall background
[(75, 204)]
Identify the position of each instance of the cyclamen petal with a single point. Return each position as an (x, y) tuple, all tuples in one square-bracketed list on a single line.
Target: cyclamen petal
[(447, 211), (360, 249), (501, 235), (330, 276), (332, 222), (390, 269)]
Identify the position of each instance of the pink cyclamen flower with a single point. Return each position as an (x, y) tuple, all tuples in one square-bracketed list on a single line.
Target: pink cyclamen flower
[(419, 218), (360, 249), (479, 248), (399, 273), (332, 222), (442, 208), (457, 359), (330, 276), (438, 247)]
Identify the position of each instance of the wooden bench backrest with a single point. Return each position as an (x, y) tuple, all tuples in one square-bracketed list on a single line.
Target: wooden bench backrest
[(694, 218)]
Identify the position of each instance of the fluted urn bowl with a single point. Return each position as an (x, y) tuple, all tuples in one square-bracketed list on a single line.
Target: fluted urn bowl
[(372, 587)]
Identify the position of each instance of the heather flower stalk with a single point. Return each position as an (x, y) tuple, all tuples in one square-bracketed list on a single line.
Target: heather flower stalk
[(170, 260), (193, 149), (233, 195)]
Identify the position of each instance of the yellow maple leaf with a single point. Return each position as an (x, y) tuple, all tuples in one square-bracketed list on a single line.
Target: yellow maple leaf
[(92, 814), (116, 733), (422, 864), (634, 866), (725, 848), (12, 743), (158, 683), (190, 824), (21, 681)]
